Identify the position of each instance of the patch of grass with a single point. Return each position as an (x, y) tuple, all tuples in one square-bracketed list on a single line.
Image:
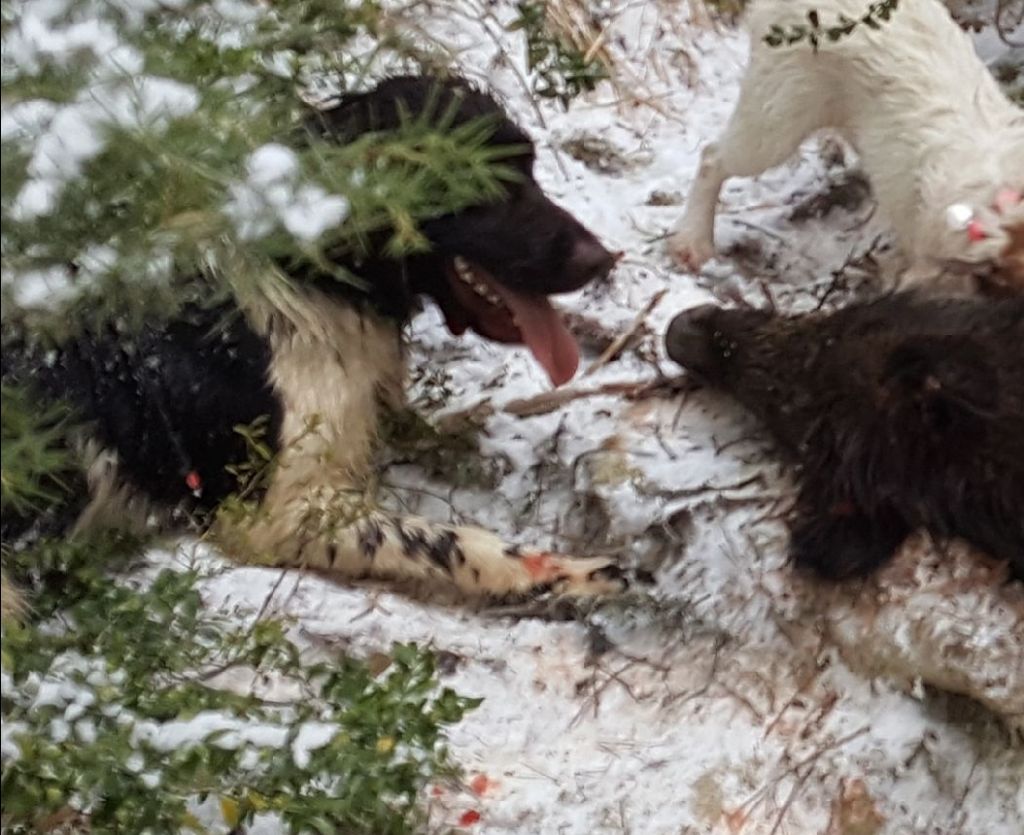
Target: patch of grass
[(561, 70)]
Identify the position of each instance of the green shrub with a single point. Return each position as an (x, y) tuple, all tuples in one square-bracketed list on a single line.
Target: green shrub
[(107, 715)]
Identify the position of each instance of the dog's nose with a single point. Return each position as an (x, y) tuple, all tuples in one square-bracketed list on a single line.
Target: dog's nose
[(688, 341), (589, 260)]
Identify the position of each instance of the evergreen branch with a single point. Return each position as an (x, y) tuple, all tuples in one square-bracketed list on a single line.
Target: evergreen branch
[(34, 451), (816, 34)]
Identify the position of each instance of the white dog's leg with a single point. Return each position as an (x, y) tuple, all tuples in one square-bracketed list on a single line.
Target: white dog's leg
[(693, 241), (774, 114)]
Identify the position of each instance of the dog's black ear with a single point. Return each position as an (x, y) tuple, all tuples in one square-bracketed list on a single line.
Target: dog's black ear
[(393, 102), (940, 385)]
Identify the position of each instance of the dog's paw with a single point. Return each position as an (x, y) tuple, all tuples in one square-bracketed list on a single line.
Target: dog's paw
[(574, 576), (690, 251)]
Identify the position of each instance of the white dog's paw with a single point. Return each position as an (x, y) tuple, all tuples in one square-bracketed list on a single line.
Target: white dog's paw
[(690, 251)]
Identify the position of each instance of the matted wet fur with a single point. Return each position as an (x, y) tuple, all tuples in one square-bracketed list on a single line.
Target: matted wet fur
[(317, 359), (899, 413)]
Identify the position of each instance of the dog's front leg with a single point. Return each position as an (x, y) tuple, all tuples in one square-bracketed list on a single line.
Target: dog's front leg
[(412, 549), (780, 104), (693, 241)]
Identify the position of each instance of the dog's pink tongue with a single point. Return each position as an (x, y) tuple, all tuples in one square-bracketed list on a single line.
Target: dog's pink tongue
[(545, 334)]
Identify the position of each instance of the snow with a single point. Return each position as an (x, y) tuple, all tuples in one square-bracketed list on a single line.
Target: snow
[(9, 732), (719, 702), (715, 701), (271, 193), (85, 730), (64, 138), (232, 732), (26, 119), (272, 164), (75, 133), (311, 736), (36, 39)]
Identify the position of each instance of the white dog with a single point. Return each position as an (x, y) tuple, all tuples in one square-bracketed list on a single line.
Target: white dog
[(941, 144)]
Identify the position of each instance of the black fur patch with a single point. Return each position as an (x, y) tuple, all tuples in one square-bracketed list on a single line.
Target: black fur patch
[(608, 572), (413, 541), (440, 550), (165, 399), (444, 549), (371, 537), (902, 413)]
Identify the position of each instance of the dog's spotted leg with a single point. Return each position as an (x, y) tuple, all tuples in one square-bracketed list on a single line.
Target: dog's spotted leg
[(408, 548), (331, 368)]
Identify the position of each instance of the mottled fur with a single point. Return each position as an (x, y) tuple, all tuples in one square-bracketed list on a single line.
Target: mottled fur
[(900, 413), (318, 359)]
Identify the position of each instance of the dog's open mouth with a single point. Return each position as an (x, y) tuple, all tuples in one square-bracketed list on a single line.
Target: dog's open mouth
[(480, 302)]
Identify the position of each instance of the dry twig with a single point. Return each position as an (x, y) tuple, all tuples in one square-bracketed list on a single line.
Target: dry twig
[(616, 348), (549, 401)]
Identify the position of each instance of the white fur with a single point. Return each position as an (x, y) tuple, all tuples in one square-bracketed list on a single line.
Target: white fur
[(332, 367), (925, 115)]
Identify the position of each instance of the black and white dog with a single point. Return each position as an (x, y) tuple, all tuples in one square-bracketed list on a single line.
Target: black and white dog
[(318, 359)]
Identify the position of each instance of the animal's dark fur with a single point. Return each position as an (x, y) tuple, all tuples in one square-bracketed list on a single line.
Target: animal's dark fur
[(901, 413), (166, 400), (526, 241)]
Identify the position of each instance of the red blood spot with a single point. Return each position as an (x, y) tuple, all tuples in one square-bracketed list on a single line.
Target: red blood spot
[(538, 566), (437, 791), (975, 231), (193, 481), (1006, 199), (479, 784), (469, 818)]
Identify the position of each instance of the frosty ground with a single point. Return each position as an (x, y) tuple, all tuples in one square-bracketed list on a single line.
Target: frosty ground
[(712, 702)]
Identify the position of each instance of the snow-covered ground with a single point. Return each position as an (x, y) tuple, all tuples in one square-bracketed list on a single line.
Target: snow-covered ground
[(714, 701)]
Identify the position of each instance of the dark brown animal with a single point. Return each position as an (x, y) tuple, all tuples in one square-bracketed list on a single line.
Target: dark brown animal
[(900, 413)]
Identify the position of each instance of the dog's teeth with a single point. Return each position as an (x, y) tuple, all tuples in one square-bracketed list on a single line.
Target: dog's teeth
[(467, 276)]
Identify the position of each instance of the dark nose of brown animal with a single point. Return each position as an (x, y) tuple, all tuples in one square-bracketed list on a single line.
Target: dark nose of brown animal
[(688, 339), (589, 260)]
